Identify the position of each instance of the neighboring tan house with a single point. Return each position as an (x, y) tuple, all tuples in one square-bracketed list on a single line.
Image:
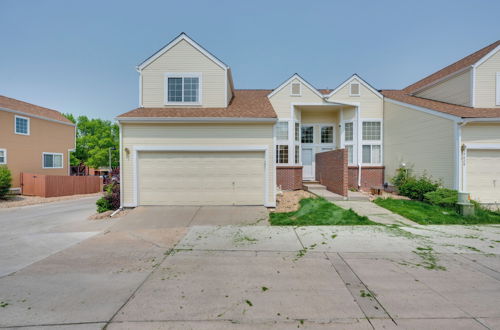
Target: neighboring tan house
[(34, 139), (448, 125), (196, 140)]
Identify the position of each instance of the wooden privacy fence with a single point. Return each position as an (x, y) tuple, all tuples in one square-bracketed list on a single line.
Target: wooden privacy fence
[(59, 185)]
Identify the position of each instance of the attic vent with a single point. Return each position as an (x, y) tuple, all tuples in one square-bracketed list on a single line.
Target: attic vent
[(354, 89), (296, 88)]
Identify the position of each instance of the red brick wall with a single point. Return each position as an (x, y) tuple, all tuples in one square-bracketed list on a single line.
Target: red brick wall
[(331, 170), (370, 176), (289, 177)]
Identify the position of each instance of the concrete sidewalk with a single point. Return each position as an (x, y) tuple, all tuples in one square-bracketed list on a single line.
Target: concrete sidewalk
[(375, 213), (261, 277)]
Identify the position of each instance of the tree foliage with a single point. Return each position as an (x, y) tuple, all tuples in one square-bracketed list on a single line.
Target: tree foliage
[(94, 138)]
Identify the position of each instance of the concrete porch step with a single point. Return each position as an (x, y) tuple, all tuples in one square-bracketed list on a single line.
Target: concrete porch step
[(315, 186)]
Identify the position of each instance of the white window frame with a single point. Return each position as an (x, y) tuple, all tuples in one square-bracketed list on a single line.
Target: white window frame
[(15, 126), (4, 156), (53, 154), (277, 153), (182, 75), (498, 89), (373, 142), (284, 123), (333, 143), (291, 88), (352, 142), (350, 88), (313, 133)]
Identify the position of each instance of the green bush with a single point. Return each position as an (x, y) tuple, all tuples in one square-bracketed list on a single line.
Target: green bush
[(5, 180), (417, 188), (442, 197), (403, 175), (103, 205)]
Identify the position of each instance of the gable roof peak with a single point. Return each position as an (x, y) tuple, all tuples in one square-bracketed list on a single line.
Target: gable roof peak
[(302, 80)]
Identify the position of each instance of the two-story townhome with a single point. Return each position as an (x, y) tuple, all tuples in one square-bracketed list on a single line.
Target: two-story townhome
[(448, 125), (196, 140), (34, 139)]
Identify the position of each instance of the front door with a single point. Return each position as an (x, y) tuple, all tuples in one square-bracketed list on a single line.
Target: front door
[(307, 164)]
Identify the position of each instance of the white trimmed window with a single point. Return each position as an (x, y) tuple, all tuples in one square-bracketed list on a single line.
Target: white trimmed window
[(52, 160), (21, 125), (354, 89), (350, 153), (307, 133), (297, 154), (282, 130), (182, 88), (349, 140), (295, 89), (327, 134), (371, 152), (3, 156), (282, 154), (297, 132)]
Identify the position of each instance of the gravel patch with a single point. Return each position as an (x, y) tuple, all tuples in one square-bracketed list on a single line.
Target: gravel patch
[(20, 200), (107, 214), (288, 201)]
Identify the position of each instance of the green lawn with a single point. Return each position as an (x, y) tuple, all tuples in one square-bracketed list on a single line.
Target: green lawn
[(318, 212), (427, 214)]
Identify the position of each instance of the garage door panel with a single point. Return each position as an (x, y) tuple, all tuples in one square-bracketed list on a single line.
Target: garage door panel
[(483, 175), (201, 178)]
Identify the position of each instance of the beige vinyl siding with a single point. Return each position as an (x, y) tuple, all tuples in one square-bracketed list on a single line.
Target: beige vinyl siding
[(184, 58), (481, 133), (455, 90), (282, 100), (422, 141), (320, 117), (201, 178), (193, 135), (485, 91), (371, 105)]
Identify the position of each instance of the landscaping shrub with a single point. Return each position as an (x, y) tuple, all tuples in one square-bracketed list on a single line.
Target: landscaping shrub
[(5, 180), (111, 199), (442, 197), (417, 188), (403, 175)]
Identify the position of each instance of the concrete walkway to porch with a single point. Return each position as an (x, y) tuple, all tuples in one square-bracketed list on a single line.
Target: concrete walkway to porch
[(360, 204)]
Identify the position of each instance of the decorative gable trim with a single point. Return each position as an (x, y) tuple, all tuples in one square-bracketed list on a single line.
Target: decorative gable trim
[(361, 81), (303, 82), (486, 57), (185, 37)]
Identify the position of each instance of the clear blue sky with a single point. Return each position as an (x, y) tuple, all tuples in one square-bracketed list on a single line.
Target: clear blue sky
[(80, 56)]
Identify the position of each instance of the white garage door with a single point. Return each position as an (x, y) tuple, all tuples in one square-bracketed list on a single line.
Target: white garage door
[(483, 175), (201, 178)]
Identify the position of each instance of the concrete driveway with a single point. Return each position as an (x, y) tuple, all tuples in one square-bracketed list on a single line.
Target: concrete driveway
[(263, 277), (32, 233), (153, 217)]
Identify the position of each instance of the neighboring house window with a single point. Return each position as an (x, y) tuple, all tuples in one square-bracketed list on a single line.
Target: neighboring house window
[(372, 142), (282, 130), (327, 134), (183, 88), (3, 156), (282, 154), (354, 89), (52, 160), (307, 134), (297, 132), (296, 89), (297, 154), (21, 125)]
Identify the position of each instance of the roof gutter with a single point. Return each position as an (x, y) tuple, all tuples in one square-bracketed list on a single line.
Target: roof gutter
[(482, 120), (194, 120)]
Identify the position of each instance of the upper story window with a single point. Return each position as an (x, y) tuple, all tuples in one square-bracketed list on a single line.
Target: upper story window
[(307, 134), (182, 88), (296, 89), (297, 132), (354, 89), (21, 125), (52, 160), (372, 143), (282, 130), (349, 131), (371, 130), (3, 156)]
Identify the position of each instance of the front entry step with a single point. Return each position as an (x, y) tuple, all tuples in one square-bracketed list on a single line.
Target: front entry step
[(320, 190)]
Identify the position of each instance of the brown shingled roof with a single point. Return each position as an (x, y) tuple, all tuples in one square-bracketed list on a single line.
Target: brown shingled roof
[(451, 109), (31, 109), (461, 64), (246, 103)]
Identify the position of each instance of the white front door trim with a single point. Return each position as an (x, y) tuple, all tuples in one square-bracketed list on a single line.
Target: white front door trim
[(263, 148)]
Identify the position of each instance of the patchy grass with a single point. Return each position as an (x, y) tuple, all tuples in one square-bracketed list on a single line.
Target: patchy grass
[(427, 214), (318, 212), (429, 258)]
